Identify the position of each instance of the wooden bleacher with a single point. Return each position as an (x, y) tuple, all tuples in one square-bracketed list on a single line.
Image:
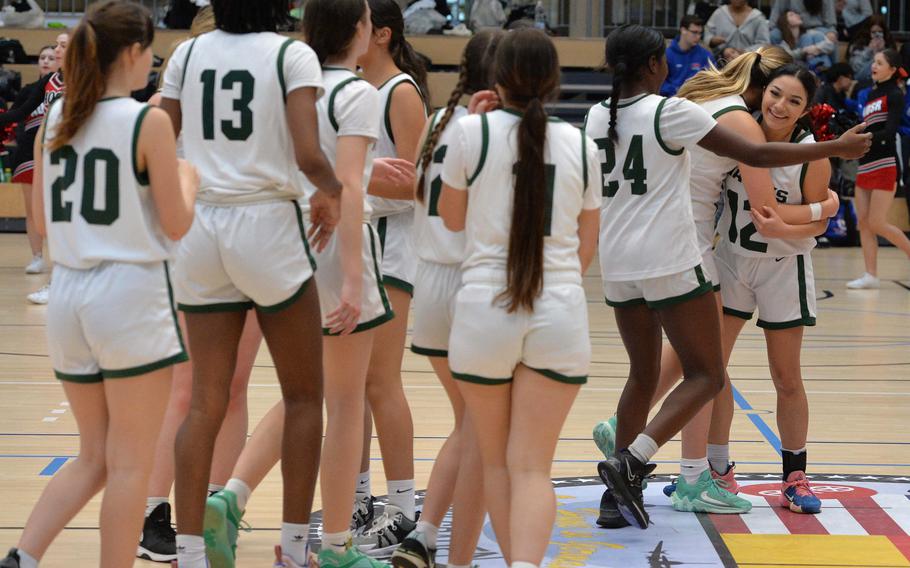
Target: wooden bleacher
[(575, 54)]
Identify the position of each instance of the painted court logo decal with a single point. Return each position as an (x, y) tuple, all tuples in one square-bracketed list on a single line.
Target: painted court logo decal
[(865, 522)]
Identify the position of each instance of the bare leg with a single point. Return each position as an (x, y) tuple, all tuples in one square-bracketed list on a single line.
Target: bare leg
[(294, 338), (130, 452), (539, 409), (263, 451), (489, 408), (79, 480), (867, 236), (346, 361), (214, 338), (35, 241), (394, 426), (784, 347), (639, 328), (879, 205), (722, 414)]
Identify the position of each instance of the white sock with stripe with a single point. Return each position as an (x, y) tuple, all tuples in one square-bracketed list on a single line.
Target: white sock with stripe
[(691, 470)]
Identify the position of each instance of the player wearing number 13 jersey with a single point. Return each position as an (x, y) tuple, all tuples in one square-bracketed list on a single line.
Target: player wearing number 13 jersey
[(245, 98)]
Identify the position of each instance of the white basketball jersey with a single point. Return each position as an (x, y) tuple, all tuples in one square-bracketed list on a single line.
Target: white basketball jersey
[(232, 90), (709, 171), (435, 243), (97, 204), (735, 225), (385, 146), (646, 224), (482, 157), (350, 108)]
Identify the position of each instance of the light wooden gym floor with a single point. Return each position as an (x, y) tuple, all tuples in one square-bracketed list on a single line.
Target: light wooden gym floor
[(856, 365)]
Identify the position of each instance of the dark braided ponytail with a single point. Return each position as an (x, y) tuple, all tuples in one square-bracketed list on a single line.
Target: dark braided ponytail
[(475, 74), (628, 49)]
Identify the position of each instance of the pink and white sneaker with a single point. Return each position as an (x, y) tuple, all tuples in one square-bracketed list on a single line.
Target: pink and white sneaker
[(727, 480), (796, 495)]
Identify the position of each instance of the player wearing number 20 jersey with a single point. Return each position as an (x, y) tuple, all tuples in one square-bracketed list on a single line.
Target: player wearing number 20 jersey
[(648, 248), (232, 90)]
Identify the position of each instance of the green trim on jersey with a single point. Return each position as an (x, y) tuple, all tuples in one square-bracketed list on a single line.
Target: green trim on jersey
[(484, 146), (808, 322), (217, 307), (171, 303), (389, 314), (559, 377), (403, 78), (381, 225), (141, 177), (802, 176), (91, 378), (606, 103), (433, 121), (803, 300), (429, 352), (186, 62), (702, 289), (144, 369), (335, 92), (725, 110), (737, 313), (280, 65), (584, 161), (660, 107), (479, 380), (306, 243)]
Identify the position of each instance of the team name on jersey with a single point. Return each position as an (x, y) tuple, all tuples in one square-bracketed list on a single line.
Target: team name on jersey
[(878, 105), (780, 195)]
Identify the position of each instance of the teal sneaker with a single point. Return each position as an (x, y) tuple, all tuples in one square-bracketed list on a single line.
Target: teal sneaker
[(352, 558), (222, 521), (707, 496), (605, 437)]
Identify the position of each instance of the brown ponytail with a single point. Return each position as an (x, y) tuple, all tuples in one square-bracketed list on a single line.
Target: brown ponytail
[(107, 29), (475, 74), (527, 70), (387, 14)]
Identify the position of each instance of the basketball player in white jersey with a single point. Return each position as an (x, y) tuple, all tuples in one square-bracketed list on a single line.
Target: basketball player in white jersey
[(524, 189), (112, 202), (245, 99), (392, 66), (457, 473), (775, 276), (650, 261), (728, 95)]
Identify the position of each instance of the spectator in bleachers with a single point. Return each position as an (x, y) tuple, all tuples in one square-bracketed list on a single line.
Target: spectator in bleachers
[(855, 14), (835, 90), (869, 40), (735, 29), (815, 14), (685, 56), (810, 47)]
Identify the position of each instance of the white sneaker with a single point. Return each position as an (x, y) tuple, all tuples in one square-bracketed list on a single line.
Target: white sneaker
[(40, 296), (36, 266), (864, 282)]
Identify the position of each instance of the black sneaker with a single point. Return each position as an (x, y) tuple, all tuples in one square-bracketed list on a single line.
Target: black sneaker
[(414, 552), (159, 539), (11, 560), (610, 517), (364, 513), (386, 532), (624, 474)]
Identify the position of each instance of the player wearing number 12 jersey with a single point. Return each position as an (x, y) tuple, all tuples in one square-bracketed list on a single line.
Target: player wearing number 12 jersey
[(244, 98)]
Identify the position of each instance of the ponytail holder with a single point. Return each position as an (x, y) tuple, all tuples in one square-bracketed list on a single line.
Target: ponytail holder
[(757, 58), (902, 73)]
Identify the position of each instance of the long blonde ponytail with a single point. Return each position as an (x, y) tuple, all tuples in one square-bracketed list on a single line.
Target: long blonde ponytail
[(736, 76)]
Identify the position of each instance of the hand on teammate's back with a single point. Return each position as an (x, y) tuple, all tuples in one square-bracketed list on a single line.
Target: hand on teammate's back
[(484, 101), (394, 172)]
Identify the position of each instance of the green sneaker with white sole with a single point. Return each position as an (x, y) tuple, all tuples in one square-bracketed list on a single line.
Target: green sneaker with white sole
[(706, 496)]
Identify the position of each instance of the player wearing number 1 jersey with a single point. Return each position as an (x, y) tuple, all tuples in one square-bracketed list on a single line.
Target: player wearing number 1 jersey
[(112, 203), (245, 100), (650, 261)]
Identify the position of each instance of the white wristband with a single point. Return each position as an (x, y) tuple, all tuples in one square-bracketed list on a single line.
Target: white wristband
[(816, 209)]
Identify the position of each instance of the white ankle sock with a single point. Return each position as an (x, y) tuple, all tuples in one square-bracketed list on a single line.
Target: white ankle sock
[(294, 541), (26, 560), (691, 470), (153, 502), (214, 488), (401, 495), (430, 530), (458, 566), (719, 457), (241, 490), (363, 485), (523, 565), (336, 542), (643, 448), (190, 551)]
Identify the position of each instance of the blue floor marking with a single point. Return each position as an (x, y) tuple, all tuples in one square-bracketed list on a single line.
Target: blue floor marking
[(51, 468), (757, 420)]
